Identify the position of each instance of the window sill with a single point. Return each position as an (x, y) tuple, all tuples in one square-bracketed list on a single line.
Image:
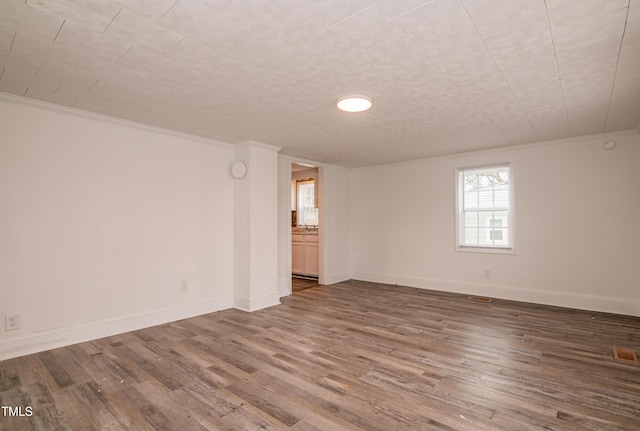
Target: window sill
[(481, 249)]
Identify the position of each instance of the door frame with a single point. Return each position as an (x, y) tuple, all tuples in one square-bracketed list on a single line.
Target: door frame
[(284, 220)]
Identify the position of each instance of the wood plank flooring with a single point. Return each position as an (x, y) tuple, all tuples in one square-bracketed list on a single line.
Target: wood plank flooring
[(298, 284), (350, 356)]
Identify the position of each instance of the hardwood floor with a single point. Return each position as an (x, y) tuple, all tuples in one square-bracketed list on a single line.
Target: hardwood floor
[(351, 356), (298, 284)]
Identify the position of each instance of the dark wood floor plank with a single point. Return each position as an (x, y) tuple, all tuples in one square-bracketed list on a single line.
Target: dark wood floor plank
[(56, 368), (158, 409), (160, 368), (223, 353), (264, 399), (74, 412), (44, 413), (9, 375), (323, 401), (128, 414), (88, 396)]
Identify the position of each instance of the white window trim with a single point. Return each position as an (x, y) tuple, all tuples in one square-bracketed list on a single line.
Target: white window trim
[(511, 249)]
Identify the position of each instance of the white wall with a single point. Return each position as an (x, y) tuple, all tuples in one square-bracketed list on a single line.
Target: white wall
[(577, 230), (101, 220), (334, 195)]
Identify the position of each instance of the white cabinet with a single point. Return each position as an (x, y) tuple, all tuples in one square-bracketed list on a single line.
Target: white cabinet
[(311, 258), (304, 255), (297, 254)]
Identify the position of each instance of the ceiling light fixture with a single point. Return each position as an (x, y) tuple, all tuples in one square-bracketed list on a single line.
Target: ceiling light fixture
[(354, 103)]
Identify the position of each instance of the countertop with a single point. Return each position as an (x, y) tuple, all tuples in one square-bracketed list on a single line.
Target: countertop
[(298, 231)]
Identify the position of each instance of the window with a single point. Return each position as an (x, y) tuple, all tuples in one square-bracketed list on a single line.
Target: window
[(485, 209), (307, 212)]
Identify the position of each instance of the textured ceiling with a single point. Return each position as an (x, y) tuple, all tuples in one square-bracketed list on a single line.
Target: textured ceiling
[(447, 76)]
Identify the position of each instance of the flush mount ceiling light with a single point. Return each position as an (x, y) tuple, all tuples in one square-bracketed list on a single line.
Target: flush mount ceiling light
[(354, 103)]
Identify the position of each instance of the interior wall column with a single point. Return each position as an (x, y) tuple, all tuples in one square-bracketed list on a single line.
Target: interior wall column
[(256, 227)]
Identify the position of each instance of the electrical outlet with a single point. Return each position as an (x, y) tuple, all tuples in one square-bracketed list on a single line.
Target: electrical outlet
[(487, 273), (11, 322), (184, 286)]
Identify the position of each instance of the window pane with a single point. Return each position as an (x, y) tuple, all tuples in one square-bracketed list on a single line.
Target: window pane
[(499, 237), (483, 216), (483, 237), (470, 182), (485, 198), (471, 200), (471, 236), (501, 198), (310, 216), (470, 219), (502, 216), (307, 214), (495, 223)]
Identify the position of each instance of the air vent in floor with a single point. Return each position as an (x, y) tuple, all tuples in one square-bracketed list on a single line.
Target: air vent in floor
[(625, 355), (479, 299)]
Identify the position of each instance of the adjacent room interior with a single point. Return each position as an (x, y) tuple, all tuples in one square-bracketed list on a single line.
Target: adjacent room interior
[(196, 233)]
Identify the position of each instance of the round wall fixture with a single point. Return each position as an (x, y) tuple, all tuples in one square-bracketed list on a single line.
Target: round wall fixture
[(238, 170), (354, 103), (609, 144)]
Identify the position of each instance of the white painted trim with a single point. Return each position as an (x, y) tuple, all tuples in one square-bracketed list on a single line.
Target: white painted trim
[(258, 144), (336, 278), (294, 159), (256, 303), (511, 249), (323, 226), (46, 340), (10, 98), (284, 286), (284, 220), (572, 139), (605, 304)]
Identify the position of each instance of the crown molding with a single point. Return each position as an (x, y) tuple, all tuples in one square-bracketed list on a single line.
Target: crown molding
[(506, 148), (258, 144), (39, 104)]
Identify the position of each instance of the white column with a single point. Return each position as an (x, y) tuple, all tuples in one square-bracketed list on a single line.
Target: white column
[(256, 227)]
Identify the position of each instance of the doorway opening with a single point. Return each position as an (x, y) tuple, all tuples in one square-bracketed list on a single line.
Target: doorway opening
[(305, 227)]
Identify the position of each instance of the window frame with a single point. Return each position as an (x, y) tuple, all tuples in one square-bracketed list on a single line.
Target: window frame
[(459, 206)]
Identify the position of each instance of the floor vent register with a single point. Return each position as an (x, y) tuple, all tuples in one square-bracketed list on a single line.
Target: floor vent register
[(625, 355), (479, 299)]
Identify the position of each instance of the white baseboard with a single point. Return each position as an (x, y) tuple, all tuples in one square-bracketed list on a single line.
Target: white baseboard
[(256, 303), (38, 342), (284, 286), (560, 299), (336, 278)]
